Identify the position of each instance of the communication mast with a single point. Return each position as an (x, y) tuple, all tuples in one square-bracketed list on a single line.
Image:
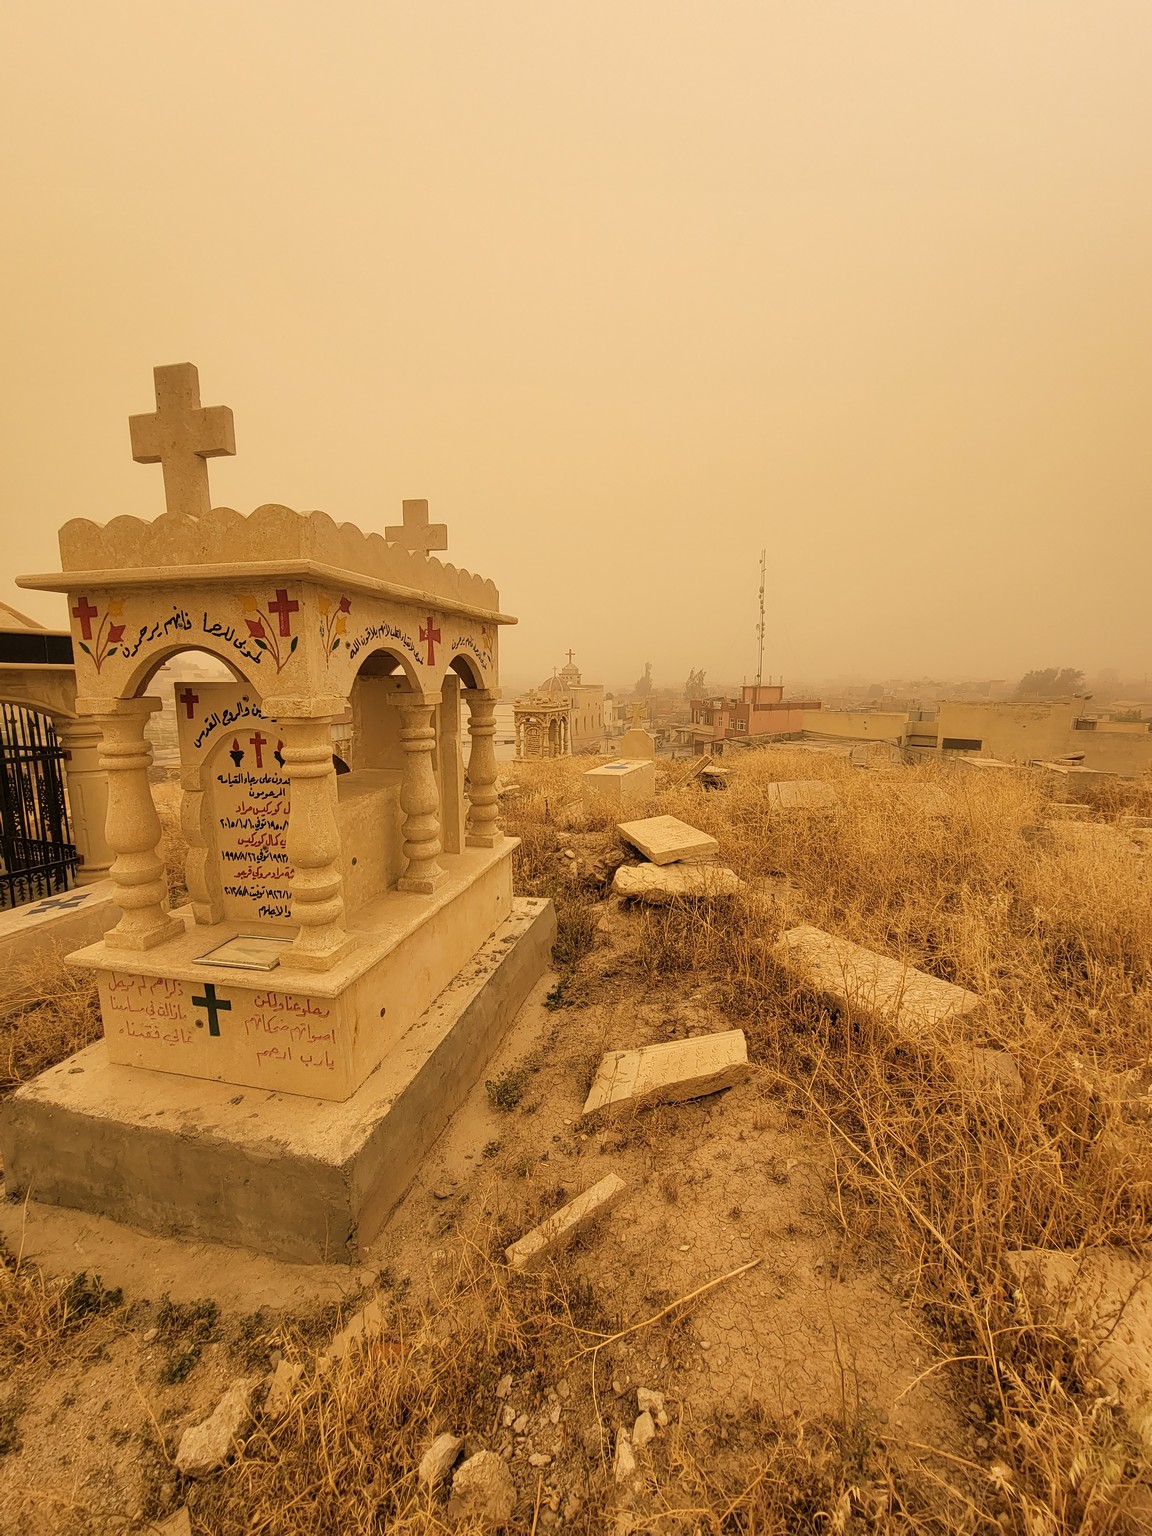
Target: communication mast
[(760, 629)]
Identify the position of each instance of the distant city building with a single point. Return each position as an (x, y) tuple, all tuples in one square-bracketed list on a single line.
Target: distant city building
[(760, 711)]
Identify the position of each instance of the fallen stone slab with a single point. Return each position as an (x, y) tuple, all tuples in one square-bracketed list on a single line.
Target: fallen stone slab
[(802, 795), (862, 981), (858, 978), (658, 884), (206, 1446), (483, 1492), (1104, 1295), (552, 1235), (670, 1072), (667, 840), (438, 1460)]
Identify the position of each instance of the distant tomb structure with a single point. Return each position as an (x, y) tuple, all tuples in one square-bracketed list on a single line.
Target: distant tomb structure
[(564, 716)]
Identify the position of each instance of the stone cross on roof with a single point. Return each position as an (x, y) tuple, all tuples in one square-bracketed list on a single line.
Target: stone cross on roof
[(180, 435), (416, 532)]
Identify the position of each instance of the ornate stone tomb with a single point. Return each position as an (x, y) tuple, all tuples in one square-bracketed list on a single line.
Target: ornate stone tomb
[(383, 874)]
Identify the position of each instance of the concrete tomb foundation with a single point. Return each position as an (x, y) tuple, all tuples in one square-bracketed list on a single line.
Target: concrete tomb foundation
[(625, 784), (333, 901)]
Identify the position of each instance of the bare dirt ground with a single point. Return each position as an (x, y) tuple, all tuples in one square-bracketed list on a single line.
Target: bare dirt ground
[(863, 1368)]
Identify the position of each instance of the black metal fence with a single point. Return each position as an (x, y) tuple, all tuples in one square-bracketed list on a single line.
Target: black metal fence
[(37, 855)]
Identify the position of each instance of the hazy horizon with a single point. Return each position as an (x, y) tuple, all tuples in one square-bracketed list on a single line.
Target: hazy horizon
[(628, 292)]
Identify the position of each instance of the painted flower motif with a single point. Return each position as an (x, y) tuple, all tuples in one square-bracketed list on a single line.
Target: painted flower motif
[(115, 633), (255, 629), (324, 604), (333, 625), (116, 609), (249, 604)]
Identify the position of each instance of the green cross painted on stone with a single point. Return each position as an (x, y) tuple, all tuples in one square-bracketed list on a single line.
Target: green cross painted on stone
[(213, 1006)]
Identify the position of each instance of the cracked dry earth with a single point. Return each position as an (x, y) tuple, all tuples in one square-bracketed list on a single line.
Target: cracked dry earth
[(813, 1329)]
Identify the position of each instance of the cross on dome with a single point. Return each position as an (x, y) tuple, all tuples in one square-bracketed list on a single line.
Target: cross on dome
[(416, 532), (180, 434)]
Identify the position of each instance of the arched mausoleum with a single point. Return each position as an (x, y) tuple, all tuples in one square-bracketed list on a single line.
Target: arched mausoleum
[(327, 911)]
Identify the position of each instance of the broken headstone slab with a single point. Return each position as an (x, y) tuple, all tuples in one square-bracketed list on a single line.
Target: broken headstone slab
[(668, 840), (669, 1073), (206, 1446), (657, 884), (552, 1235)]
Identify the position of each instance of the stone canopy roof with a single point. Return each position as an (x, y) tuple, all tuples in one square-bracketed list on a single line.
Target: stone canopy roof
[(273, 540)]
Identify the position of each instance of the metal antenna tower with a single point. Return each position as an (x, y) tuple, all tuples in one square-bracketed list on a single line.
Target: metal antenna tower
[(760, 629)]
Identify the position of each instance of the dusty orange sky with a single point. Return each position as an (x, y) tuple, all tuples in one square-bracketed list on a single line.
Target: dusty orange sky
[(627, 289)]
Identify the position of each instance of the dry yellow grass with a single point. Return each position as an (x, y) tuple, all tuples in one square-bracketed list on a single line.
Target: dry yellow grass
[(931, 1183)]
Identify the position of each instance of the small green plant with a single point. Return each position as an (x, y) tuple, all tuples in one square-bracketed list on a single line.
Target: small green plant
[(507, 1090), (491, 1148), (186, 1327)]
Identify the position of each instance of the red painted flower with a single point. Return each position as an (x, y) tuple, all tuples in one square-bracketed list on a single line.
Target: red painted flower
[(255, 629), (345, 605), (115, 633)]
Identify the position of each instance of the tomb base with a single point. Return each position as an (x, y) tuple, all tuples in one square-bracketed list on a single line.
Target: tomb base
[(60, 922), (294, 1030), (294, 1177)]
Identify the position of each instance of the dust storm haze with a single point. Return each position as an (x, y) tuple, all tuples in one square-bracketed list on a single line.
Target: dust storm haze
[(628, 290)]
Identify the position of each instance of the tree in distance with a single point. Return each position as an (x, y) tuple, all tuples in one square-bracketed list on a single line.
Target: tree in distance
[(1050, 683)]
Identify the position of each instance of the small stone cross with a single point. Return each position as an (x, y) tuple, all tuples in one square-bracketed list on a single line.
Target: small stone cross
[(416, 532), (180, 435), (570, 655), (638, 713)]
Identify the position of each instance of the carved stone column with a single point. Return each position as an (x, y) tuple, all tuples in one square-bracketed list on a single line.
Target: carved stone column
[(313, 842), (483, 801), (419, 796), (87, 796), (133, 828)]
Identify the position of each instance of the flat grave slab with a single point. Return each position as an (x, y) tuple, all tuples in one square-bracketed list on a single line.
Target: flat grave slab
[(670, 1072), (802, 795), (667, 840), (657, 884), (61, 921)]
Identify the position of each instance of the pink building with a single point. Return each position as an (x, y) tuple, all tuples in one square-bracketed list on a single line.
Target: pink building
[(761, 710)]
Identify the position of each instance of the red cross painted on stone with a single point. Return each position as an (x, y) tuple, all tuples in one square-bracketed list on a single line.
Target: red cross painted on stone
[(259, 742), (188, 699), (85, 613), (432, 636), (283, 608)]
